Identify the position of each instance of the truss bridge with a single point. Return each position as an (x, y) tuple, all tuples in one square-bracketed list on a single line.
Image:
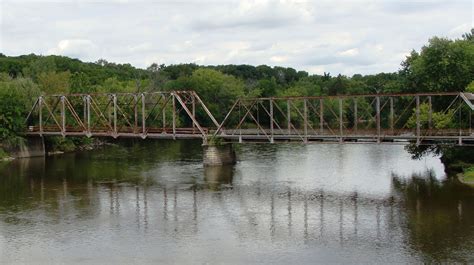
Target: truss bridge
[(423, 118)]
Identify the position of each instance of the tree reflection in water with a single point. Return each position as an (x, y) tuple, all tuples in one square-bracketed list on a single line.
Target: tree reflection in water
[(423, 219), (439, 216)]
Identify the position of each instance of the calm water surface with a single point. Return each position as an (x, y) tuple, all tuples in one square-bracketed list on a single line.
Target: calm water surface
[(153, 201)]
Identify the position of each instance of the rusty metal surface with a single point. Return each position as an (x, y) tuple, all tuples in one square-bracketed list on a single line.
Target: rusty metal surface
[(422, 118)]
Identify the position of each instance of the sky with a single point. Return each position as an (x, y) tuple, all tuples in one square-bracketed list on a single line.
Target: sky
[(339, 36)]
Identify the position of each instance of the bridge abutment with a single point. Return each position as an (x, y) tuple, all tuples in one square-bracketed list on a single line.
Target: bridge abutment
[(31, 147), (218, 155)]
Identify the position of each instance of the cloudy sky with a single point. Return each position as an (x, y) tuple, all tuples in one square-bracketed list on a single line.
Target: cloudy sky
[(317, 36)]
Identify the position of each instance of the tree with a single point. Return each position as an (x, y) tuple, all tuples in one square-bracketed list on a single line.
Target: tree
[(157, 78), (442, 65), (267, 87), (16, 99), (338, 85), (113, 85), (39, 66), (218, 90), (469, 36), (80, 83), (439, 120), (470, 87), (303, 87), (54, 83)]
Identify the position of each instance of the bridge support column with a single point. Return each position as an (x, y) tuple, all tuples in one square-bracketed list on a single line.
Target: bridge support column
[(218, 155), (32, 147)]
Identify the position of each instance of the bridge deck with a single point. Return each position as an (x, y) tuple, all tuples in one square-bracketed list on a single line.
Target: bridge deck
[(465, 137)]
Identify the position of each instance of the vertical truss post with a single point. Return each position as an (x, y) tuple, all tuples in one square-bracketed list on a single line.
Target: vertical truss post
[(340, 120), (63, 116), (258, 116), (143, 115), (164, 119), (163, 112), (470, 123), (288, 113), (418, 126), (109, 113), (460, 123), (271, 120), (240, 127), (84, 99), (135, 112), (378, 117), (392, 115), (321, 116), (430, 113), (40, 109), (193, 109), (356, 118), (174, 115), (88, 110), (305, 105), (114, 98)]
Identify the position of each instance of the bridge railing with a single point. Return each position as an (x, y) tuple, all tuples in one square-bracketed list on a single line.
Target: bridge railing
[(171, 113), (383, 117), (388, 117)]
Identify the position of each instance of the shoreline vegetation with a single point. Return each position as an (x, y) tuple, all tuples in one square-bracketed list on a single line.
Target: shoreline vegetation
[(442, 65), (467, 176)]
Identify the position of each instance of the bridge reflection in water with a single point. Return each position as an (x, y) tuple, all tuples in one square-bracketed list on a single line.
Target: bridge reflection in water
[(213, 209)]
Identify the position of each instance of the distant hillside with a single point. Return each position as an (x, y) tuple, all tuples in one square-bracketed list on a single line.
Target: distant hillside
[(97, 72)]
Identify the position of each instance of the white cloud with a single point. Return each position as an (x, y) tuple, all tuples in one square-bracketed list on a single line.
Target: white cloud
[(279, 59), (341, 36), (349, 52), (76, 48), (460, 29)]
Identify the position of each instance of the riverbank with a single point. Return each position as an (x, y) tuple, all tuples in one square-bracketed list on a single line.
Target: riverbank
[(50, 146), (469, 174), (467, 177), (4, 156)]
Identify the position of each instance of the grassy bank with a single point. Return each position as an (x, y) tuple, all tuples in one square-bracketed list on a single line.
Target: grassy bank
[(3, 154), (469, 174)]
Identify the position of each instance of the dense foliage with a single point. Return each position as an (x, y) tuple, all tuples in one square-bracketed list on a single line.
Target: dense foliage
[(441, 65), (16, 98)]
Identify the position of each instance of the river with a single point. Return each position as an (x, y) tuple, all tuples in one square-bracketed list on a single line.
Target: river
[(153, 201)]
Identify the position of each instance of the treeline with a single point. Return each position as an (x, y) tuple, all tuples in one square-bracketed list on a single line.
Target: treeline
[(441, 65)]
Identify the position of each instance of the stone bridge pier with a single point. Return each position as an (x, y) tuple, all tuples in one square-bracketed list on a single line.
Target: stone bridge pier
[(218, 154)]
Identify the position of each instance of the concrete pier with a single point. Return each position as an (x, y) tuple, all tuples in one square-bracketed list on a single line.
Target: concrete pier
[(33, 146), (217, 155)]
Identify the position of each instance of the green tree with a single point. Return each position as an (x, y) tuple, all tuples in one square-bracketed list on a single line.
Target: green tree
[(54, 83), (16, 99), (218, 90), (267, 87), (470, 87), (114, 85), (442, 65), (439, 120), (39, 66), (157, 77), (80, 83)]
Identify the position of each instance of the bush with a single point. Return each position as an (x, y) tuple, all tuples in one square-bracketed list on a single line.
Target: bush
[(215, 141), (438, 119)]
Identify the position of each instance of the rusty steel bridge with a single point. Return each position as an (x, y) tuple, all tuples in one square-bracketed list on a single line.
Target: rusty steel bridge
[(423, 118)]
